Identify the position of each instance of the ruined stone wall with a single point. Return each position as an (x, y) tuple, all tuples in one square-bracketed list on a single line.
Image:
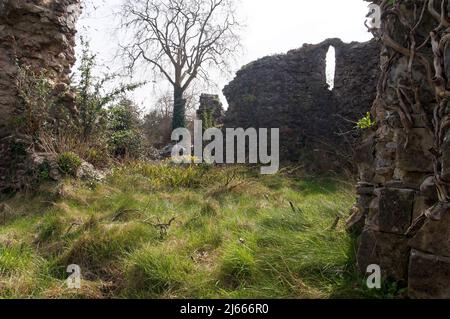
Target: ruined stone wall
[(210, 104), (289, 91), (39, 34), (402, 214)]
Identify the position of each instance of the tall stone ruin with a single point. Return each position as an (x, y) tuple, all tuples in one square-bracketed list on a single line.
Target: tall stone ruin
[(403, 210), (290, 92), (39, 34)]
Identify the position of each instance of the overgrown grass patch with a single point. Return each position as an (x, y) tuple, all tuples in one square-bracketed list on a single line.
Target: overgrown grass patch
[(155, 272), (164, 231)]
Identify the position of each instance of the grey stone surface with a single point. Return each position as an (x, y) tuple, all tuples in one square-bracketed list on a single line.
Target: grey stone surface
[(39, 34), (389, 251), (434, 236), (391, 211), (289, 92), (429, 276)]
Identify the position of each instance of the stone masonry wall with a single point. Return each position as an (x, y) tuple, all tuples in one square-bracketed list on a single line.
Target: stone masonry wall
[(39, 34), (290, 92), (403, 210)]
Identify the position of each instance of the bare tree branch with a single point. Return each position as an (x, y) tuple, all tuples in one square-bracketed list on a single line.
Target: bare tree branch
[(180, 39)]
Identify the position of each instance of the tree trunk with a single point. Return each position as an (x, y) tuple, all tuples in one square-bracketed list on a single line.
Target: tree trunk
[(179, 108)]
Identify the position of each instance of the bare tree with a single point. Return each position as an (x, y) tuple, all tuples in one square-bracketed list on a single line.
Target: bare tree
[(158, 121), (180, 39)]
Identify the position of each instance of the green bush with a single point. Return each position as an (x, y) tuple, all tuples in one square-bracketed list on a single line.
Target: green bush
[(69, 163), (126, 144), (163, 175), (44, 171), (125, 138)]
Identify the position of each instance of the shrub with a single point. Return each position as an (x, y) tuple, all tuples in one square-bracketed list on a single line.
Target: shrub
[(125, 138), (126, 144), (43, 171), (163, 175), (35, 91), (69, 163)]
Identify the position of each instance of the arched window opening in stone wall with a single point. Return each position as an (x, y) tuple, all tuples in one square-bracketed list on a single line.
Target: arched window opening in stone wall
[(331, 67)]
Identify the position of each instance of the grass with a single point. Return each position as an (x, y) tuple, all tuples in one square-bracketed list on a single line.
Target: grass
[(164, 231)]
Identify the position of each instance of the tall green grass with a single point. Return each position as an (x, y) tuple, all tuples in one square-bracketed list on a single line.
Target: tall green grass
[(234, 234)]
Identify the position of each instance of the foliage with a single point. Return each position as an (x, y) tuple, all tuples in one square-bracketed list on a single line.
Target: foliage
[(207, 119), (126, 144), (91, 96), (125, 138), (43, 171), (69, 163), (42, 110), (163, 175), (82, 130), (366, 122)]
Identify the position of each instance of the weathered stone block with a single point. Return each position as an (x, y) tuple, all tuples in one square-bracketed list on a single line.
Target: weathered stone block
[(429, 276), (434, 237), (415, 157), (389, 251), (391, 210), (364, 157)]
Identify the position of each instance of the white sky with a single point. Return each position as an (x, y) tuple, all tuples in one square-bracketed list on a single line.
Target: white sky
[(272, 26)]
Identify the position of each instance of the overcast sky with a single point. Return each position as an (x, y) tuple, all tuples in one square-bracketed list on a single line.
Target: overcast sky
[(272, 26)]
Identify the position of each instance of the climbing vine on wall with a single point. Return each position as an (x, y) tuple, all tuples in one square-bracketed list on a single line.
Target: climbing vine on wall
[(422, 88)]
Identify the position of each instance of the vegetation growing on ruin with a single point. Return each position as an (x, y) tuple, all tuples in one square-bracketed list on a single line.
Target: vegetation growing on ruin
[(366, 122)]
